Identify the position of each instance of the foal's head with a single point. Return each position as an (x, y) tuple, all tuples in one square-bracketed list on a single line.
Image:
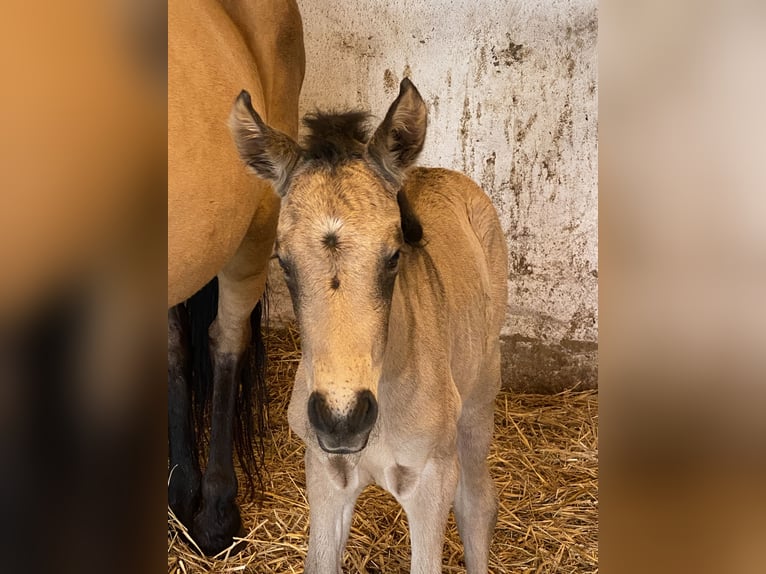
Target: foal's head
[(343, 228)]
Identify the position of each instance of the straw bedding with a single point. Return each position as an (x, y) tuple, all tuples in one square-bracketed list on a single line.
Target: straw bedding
[(544, 462)]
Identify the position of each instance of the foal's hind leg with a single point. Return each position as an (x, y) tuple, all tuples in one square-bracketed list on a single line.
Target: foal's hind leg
[(475, 500), (184, 485)]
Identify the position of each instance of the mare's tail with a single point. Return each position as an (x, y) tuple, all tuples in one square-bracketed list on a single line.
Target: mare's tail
[(251, 404)]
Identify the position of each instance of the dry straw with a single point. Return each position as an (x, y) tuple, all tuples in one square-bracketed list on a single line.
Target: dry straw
[(544, 461)]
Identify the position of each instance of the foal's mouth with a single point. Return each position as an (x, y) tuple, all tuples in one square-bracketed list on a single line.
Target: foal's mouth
[(341, 449)]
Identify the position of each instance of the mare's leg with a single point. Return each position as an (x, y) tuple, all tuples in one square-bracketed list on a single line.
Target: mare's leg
[(332, 492), (217, 520), (427, 509), (183, 489), (240, 286)]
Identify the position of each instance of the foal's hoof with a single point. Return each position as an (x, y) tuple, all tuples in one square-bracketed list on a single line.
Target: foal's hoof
[(214, 529)]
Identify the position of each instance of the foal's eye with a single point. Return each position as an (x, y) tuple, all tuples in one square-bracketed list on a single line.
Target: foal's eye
[(284, 265), (393, 261)]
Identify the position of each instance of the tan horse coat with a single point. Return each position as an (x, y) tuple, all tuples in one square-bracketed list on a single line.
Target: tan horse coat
[(398, 279), (221, 223), (213, 204)]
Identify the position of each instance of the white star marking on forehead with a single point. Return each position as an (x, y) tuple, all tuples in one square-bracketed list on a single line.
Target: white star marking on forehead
[(331, 225)]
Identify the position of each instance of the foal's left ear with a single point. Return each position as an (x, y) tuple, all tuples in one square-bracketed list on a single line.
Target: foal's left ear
[(269, 153), (399, 138)]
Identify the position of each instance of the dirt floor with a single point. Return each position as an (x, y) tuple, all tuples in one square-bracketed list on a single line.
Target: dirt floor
[(544, 461)]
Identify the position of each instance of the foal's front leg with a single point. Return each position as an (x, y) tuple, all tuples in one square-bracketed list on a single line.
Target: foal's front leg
[(332, 488), (427, 511)]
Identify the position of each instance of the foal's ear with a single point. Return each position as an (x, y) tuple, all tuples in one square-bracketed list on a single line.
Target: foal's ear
[(268, 153), (399, 138)]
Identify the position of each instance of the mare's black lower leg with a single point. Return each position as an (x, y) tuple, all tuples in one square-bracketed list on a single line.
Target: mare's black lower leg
[(218, 519), (185, 478)]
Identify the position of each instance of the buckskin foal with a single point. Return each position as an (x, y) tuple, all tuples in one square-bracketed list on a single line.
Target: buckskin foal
[(398, 280)]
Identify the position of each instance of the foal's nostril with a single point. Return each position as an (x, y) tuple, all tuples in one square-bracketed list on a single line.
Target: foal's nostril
[(320, 416), (357, 420), (365, 413)]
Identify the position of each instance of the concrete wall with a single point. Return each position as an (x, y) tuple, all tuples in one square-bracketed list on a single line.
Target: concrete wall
[(512, 95)]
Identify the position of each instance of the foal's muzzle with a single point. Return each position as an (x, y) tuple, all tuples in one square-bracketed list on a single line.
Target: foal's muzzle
[(343, 432)]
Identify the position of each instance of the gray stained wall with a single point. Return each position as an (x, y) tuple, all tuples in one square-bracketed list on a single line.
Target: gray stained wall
[(511, 89)]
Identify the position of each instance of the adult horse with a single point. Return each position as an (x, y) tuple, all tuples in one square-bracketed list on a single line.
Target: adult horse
[(398, 279), (221, 224)]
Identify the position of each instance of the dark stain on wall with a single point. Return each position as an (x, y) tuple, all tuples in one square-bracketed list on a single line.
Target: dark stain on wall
[(488, 176), (513, 54), (565, 123), (521, 134), (536, 366), (435, 104), (548, 171), (516, 184), (562, 140), (465, 121), (581, 319), (570, 65), (389, 81), (585, 27), (482, 67), (519, 264), (358, 45)]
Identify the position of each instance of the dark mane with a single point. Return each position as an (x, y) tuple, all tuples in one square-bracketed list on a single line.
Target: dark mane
[(335, 138)]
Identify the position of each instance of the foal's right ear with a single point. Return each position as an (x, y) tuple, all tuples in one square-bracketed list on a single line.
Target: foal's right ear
[(396, 143), (268, 153)]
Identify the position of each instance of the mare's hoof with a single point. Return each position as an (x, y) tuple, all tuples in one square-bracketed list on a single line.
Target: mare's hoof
[(214, 529), (184, 501), (184, 492)]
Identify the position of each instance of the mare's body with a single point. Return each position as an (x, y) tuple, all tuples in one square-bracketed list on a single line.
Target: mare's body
[(221, 224)]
